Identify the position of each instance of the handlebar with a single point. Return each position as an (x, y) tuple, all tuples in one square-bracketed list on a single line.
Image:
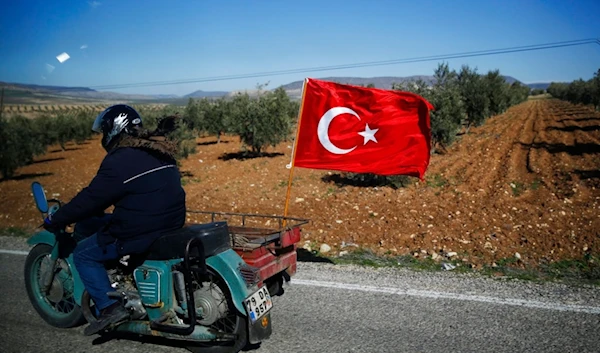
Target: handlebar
[(57, 201)]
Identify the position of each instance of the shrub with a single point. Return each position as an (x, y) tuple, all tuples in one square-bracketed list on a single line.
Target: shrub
[(474, 96), (578, 91), (261, 122)]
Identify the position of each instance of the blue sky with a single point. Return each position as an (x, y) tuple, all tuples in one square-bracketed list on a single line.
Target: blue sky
[(116, 42)]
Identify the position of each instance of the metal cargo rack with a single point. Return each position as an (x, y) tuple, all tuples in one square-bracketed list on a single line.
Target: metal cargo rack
[(249, 230)]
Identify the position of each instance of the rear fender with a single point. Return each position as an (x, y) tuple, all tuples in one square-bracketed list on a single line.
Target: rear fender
[(227, 264), (45, 237)]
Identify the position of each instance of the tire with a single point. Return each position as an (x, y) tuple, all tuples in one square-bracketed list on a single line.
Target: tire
[(87, 307), (60, 312), (239, 327), (234, 347)]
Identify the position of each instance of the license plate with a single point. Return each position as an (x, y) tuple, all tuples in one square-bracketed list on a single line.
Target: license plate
[(258, 304)]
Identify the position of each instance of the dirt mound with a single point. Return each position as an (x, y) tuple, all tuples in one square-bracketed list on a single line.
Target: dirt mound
[(526, 182)]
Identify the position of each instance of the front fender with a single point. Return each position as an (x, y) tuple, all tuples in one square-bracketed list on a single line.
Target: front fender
[(43, 237), (226, 264), (46, 237)]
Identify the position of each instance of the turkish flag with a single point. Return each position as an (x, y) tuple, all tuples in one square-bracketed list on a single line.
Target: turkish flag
[(363, 130)]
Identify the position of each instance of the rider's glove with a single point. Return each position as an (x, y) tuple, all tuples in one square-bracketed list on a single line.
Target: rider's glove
[(51, 227)]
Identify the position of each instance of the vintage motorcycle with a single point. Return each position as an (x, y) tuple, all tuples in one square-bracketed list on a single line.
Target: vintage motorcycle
[(189, 286)]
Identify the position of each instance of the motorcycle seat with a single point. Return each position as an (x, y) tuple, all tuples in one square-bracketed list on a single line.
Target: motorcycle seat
[(214, 236)]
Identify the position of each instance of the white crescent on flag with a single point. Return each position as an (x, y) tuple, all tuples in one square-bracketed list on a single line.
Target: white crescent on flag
[(323, 130)]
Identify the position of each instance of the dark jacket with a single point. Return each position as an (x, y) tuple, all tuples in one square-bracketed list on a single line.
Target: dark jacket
[(141, 179)]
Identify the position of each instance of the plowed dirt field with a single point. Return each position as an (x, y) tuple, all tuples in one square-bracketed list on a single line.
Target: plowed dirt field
[(526, 182)]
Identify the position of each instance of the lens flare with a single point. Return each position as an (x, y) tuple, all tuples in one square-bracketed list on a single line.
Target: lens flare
[(63, 57)]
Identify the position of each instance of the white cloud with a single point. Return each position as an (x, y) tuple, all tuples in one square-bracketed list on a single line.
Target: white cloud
[(49, 68), (94, 4), (83, 46)]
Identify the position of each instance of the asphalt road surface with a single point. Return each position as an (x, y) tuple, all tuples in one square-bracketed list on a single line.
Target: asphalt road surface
[(329, 308)]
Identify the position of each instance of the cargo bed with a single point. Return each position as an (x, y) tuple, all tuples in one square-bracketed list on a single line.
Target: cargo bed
[(266, 242)]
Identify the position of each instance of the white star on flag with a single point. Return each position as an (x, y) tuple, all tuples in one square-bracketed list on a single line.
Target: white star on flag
[(368, 134)]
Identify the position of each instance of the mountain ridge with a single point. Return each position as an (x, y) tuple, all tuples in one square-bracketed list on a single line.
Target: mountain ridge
[(18, 92), (383, 82)]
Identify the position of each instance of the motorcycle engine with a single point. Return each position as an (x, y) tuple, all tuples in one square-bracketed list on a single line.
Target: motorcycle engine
[(211, 303), (122, 281)]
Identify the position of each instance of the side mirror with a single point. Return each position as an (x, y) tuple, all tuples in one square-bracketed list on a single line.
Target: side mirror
[(39, 196)]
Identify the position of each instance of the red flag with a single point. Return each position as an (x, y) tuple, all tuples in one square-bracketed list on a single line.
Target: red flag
[(363, 130)]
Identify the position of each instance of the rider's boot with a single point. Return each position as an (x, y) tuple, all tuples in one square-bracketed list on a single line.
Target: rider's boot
[(111, 315)]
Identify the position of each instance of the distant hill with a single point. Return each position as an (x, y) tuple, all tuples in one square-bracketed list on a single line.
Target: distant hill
[(294, 89), (45, 88), (164, 96), (17, 93), (384, 82), (539, 85), (204, 94)]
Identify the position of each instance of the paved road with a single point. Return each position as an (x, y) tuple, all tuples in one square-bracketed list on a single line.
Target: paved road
[(331, 308)]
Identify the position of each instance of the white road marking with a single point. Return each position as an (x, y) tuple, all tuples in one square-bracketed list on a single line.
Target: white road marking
[(454, 296), (427, 294), (13, 252)]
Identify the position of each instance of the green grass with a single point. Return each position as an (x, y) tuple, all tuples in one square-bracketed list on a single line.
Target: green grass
[(15, 232), (436, 181), (185, 181), (517, 188), (535, 184), (363, 258), (585, 270), (366, 257)]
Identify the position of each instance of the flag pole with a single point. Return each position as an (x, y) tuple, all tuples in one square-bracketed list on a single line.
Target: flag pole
[(291, 165)]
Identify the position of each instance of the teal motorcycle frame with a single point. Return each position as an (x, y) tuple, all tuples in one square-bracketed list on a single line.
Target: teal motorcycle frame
[(192, 287)]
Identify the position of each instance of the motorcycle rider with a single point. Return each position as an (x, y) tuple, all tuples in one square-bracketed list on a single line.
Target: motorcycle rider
[(140, 178)]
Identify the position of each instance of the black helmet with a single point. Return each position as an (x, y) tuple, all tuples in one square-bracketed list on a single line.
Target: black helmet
[(114, 121)]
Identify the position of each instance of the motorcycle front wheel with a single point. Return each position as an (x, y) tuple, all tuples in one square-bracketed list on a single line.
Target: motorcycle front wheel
[(57, 306)]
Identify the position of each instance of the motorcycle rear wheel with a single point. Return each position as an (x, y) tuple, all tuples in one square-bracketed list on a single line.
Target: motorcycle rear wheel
[(58, 308), (234, 323)]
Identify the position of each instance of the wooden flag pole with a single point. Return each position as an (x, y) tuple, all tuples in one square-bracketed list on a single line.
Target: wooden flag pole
[(291, 165)]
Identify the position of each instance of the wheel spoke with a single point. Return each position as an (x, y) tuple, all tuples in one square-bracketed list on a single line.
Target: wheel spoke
[(66, 305), (226, 324)]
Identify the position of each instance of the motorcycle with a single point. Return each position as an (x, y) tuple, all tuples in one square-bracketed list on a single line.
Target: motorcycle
[(189, 286)]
